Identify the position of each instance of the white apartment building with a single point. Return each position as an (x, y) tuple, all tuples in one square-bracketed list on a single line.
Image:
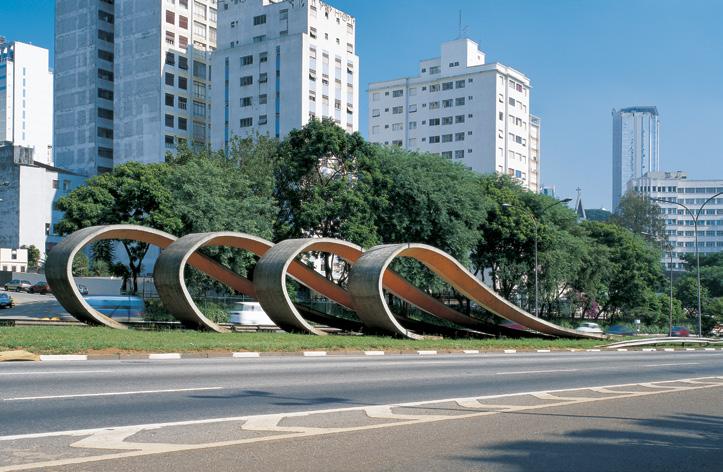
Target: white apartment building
[(13, 260), (463, 109), (133, 79), (636, 146), (279, 64), (680, 229), (26, 98)]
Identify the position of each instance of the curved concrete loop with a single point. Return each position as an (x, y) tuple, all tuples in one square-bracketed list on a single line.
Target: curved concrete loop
[(59, 266), (270, 279), (366, 287)]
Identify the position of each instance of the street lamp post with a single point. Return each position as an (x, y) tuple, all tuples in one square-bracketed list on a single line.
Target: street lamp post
[(697, 252), (536, 222)]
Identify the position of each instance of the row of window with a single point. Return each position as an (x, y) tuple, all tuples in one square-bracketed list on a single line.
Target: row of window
[(248, 101), (199, 108), (181, 121), (441, 86), (249, 122), (673, 189)]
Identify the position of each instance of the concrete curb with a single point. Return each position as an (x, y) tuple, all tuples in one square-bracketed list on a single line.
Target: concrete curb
[(250, 355)]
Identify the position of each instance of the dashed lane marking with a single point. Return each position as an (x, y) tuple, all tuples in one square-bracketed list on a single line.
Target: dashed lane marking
[(110, 394)]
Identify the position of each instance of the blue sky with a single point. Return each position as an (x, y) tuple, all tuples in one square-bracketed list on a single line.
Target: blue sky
[(584, 58)]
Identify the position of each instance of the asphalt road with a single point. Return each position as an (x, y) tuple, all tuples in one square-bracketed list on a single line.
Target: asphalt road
[(41, 403)]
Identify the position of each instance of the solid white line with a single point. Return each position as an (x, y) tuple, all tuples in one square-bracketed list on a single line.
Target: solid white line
[(666, 365), (427, 353), (510, 351), (164, 356), (58, 372), (373, 353), (110, 394), (245, 354), (63, 357), (543, 350), (536, 371), (471, 351)]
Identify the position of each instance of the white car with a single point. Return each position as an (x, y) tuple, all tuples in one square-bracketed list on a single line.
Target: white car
[(588, 327), (249, 313)]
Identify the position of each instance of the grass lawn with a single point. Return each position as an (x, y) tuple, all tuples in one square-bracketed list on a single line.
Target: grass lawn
[(82, 340)]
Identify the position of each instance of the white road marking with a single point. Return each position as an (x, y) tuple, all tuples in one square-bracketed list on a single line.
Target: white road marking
[(164, 356), (245, 354), (63, 357), (666, 365), (111, 394), (536, 371), (373, 353), (314, 353), (427, 353), (114, 438), (57, 372)]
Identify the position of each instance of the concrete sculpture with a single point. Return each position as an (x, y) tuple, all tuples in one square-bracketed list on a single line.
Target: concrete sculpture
[(370, 276)]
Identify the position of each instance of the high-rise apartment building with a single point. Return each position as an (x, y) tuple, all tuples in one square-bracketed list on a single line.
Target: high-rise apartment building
[(26, 98), (279, 64), (636, 146), (132, 81), (680, 229), (463, 109)]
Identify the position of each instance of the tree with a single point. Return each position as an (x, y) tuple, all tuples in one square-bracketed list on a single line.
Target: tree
[(80, 265), (641, 216), (33, 257), (133, 193), (321, 182)]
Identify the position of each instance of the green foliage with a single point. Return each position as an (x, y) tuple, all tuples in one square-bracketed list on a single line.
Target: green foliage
[(641, 216), (33, 257), (214, 312), (80, 265)]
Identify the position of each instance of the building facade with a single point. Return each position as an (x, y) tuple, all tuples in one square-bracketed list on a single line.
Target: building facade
[(679, 225), (29, 189), (463, 109), (132, 81), (26, 98), (636, 146), (13, 260), (280, 64)]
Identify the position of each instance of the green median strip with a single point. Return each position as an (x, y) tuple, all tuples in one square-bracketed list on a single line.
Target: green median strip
[(92, 340)]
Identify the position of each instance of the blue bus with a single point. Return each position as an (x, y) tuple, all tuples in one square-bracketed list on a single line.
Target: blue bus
[(120, 308)]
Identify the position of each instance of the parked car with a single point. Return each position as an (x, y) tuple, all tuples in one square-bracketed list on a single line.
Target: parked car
[(17, 285), (249, 313), (41, 287), (122, 308), (588, 327), (6, 301), (83, 289), (680, 332), (621, 330)]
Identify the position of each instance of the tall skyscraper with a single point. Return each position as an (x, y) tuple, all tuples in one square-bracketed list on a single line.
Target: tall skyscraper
[(132, 79), (636, 146), (464, 109), (26, 99), (279, 64)]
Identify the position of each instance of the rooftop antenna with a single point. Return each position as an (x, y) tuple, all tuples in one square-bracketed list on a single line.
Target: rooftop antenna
[(462, 30)]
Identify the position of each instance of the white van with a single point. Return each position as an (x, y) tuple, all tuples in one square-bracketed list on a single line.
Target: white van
[(249, 313)]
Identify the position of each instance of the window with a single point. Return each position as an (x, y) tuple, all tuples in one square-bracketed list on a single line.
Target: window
[(434, 88), (199, 69), (397, 126), (102, 133), (434, 122), (263, 119), (447, 120), (199, 109), (247, 80), (199, 29), (105, 16), (105, 152), (412, 108), (312, 32), (105, 36), (397, 110), (459, 119), (376, 97), (170, 38), (446, 138), (263, 57), (106, 94), (397, 93), (246, 122), (263, 78), (199, 10), (447, 85), (459, 101), (170, 17), (447, 154), (213, 14), (259, 20), (247, 60), (182, 62), (169, 121), (412, 91), (433, 105), (375, 112), (105, 75), (459, 84), (434, 70), (263, 98), (284, 15), (246, 101), (105, 55), (259, 39), (412, 125), (511, 101), (182, 103), (501, 116), (459, 154), (182, 83), (447, 103), (182, 22), (170, 99), (433, 139), (170, 79), (105, 113), (459, 136)]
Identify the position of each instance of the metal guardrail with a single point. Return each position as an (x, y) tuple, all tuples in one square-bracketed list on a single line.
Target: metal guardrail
[(663, 340)]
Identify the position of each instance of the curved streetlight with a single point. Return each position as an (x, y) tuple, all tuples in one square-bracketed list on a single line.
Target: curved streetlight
[(537, 223), (697, 253)]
